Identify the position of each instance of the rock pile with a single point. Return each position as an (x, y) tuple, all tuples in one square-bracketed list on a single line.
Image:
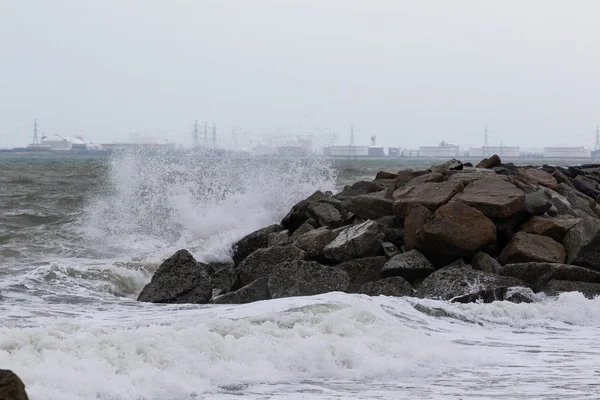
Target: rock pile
[(11, 386), (494, 232)]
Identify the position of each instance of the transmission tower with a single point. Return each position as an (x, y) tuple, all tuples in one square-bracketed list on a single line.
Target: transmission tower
[(35, 133), (214, 137), (195, 134), (486, 144), (205, 141), (597, 146), (351, 135)]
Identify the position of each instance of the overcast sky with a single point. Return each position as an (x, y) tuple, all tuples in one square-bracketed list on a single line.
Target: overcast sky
[(411, 72)]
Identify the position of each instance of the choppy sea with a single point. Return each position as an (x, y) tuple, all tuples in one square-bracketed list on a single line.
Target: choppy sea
[(80, 237)]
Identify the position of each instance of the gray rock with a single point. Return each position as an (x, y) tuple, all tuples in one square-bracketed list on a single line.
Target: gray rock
[(582, 243), (466, 285), (538, 202), (411, 266), (298, 214), (538, 274), (306, 278), (430, 177), (470, 175), (222, 278), (252, 242), (486, 263), (11, 386), (260, 263), (255, 291), (555, 287), (520, 295), (279, 238), (389, 249), (356, 189), (452, 165), (394, 236), (356, 241), (179, 279), (392, 286), (313, 242), (325, 215), (368, 206), (362, 270), (577, 199), (308, 226)]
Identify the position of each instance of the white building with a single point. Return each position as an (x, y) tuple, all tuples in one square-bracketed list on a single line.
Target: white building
[(567, 152), (502, 151), (444, 150)]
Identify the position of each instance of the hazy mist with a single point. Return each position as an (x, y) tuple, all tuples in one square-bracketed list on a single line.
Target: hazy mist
[(411, 72)]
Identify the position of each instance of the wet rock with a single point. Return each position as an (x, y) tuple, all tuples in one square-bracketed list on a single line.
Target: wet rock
[(491, 162), (582, 243), (306, 227), (362, 270), (279, 238), (561, 178), (260, 263), (494, 197), (452, 165), (369, 207), (556, 228), (417, 216), (587, 186), (528, 247), (255, 291), (555, 287), (538, 202), (577, 200), (411, 266), (562, 205), (362, 240), (222, 278), (392, 286), (519, 295), (252, 242), (431, 195), (465, 285), (325, 215), (298, 214), (486, 263), (386, 175), (389, 249), (306, 278), (541, 177), (456, 231), (313, 242), (11, 386), (179, 279), (537, 274)]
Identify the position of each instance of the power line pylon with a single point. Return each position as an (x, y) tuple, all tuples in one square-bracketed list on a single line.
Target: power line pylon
[(597, 146), (214, 136), (195, 134), (486, 144)]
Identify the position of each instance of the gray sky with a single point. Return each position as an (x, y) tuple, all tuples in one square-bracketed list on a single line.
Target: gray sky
[(410, 72)]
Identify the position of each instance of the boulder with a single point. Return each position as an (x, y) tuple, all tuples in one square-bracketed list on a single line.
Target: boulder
[(587, 186), (256, 291), (507, 227), (465, 285), (356, 189), (589, 290), (11, 386), (306, 278), (179, 279), (325, 214), (561, 204), (494, 197), (491, 162), (392, 286), (279, 238), (520, 295), (577, 200), (582, 243), (386, 175), (260, 263), (313, 242), (252, 242), (561, 178), (430, 177), (298, 214), (541, 178), (368, 207), (306, 227), (528, 247), (538, 274), (431, 195), (389, 249), (223, 278), (486, 263), (456, 231), (538, 202), (362, 240), (452, 165), (394, 236), (411, 266), (362, 270), (417, 216), (406, 176), (470, 175), (556, 227)]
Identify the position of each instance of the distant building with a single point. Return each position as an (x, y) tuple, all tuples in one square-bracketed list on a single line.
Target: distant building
[(567, 152), (502, 151), (60, 143), (394, 152), (444, 150), (347, 151), (376, 151)]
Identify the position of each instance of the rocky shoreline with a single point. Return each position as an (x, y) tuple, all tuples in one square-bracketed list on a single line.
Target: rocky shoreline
[(454, 232)]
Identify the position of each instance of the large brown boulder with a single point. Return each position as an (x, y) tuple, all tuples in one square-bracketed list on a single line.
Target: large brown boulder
[(494, 197), (417, 216), (583, 244), (456, 231), (368, 206), (556, 227), (431, 195), (306, 278), (491, 162), (541, 178), (528, 247), (11, 386), (355, 241), (260, 263)]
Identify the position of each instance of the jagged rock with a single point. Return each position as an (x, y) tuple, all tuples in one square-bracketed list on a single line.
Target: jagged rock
[(456, 231), (555, 287), (430, 177), (385, 175), (582, 243), (587, 186), (279, 238), (561, 178), (431, 195), (389, 249), (356, 189), (417, 216), (313, 242), (256, 291), (298, 214), (368, 207), (355, 241), (304, 228), (528, 247), (562, 205), (252, 242), (538, 274), (486, 263), (325, 215), (556, 228), (577, 200), (538, 202), (392, 286), (493, 161), (494, 197), (306, 278), (179, 279), (406, 176), (521, 182), (362, 270), (452, 165), (541, 177), (394, 236), (223, 278), (467, 176), (411, 266), (464, 285), (260, 263), (520, 295), (11, 386)]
